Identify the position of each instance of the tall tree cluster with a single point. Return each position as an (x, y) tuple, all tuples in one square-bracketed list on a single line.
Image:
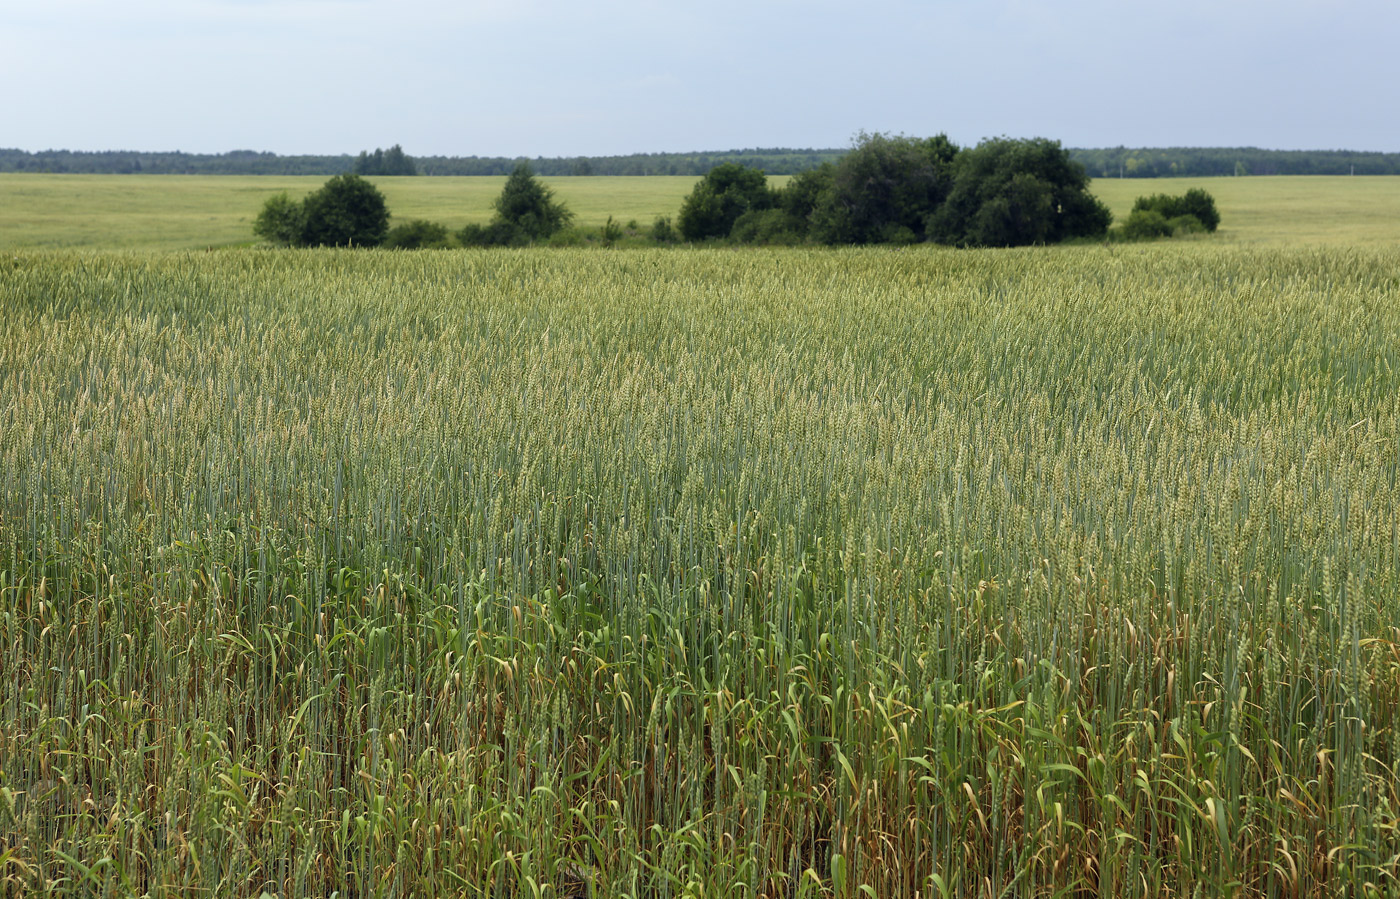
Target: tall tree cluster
[(896, 189), (392, 161)]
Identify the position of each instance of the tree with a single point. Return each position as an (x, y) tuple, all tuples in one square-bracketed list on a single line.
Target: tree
[(1009, 192), (346, 211), (528, 207), (883, 190), (726, 192), (280, 221), (392, 161)]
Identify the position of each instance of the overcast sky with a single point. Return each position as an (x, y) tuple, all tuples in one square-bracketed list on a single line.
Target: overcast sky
[(548, 78)]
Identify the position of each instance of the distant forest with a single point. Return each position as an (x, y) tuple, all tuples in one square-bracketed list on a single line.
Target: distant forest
[(1112, 162), (777, 161)]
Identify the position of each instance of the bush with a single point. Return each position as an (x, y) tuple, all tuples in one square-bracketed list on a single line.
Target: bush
[(1186, 224), (1146, 224), (662, 231), (417, 234), (727, 192), (768, 226), (495, 233), (612, 232), (280, 221), (347, 211), (1195, 202)]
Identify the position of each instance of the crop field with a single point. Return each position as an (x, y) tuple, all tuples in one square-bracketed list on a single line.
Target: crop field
[(916, 573), (175, 212)]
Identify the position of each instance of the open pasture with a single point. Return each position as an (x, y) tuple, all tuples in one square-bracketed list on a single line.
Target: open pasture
[(173, 212), (801, 573)]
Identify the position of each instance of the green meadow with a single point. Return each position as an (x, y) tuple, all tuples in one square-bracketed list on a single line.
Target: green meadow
[(173, 212)]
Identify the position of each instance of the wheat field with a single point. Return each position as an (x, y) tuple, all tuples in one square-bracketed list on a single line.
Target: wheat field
[(911, 573)]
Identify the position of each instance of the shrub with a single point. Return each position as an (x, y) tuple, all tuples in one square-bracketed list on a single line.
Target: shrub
[(417, 234), (1146, 224), (495, 233), (280, 221), (1186, 224), (662, 230), (612, 232), (768, 226), (1194, 202), (346, 211)]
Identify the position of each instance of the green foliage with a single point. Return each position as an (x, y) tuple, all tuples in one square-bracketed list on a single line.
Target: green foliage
[(348, 211), (1169, 162), (526, 213), (281, 221), (385, 162), (885, 187), (611, 233), (803, 193), (725, 193), (1008, 192), (418, 234), (495, 233), (662, 231), (769, 226), (1195, 202), (1146, 224), (1186, 224), (529, 208)]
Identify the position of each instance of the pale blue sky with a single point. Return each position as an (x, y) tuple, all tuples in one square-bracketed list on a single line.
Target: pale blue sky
[(538, 77)]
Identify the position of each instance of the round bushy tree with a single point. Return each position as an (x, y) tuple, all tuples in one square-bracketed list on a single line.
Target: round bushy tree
[(728, 191), (883, 190), (346, 211), (280, 221), (1009, 192), (528, 208)]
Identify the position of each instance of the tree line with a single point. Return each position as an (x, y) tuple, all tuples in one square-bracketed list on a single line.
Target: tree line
[(394, 161), (1109, 162), (1201, 162), (889, 189)]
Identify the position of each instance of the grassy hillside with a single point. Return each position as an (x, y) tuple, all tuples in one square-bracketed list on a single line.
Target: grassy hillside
[(719, 573), (185, 212)]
